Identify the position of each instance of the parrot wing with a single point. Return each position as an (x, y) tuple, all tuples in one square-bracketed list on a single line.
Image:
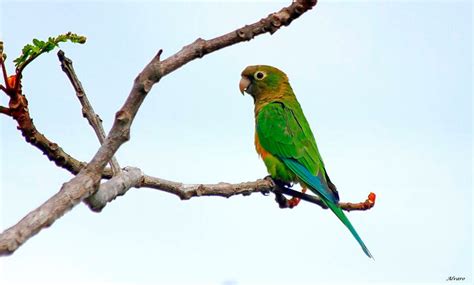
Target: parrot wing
[(285, 133)]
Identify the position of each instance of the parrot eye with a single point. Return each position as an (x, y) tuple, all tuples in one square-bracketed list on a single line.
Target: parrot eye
[(259, 75)]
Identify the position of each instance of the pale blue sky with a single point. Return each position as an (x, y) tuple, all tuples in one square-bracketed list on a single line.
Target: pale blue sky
[(386, 88)]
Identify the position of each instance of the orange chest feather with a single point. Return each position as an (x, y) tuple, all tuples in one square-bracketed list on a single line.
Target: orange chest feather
[(260, 150)]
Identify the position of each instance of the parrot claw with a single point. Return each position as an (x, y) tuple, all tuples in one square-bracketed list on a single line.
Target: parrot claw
[(293, 202)]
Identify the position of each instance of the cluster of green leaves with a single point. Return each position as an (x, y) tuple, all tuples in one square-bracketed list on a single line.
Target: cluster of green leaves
[(31, 51)]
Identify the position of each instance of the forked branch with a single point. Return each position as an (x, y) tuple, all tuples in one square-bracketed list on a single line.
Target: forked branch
[(87, 110)]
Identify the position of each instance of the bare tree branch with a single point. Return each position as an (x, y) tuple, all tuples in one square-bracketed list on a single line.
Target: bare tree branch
[(134, 177), (265, 186), (187, 191), (86, 182), (269, 24), (87, 111)]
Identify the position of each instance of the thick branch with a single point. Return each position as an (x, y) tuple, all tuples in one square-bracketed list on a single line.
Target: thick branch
[(87, 180), (45, 215), (87, 111)]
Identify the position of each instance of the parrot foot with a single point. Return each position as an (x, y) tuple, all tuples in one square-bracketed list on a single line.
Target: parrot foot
[(293, 202)]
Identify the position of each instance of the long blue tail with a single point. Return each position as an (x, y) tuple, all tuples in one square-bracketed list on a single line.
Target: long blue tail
[(320, 188)]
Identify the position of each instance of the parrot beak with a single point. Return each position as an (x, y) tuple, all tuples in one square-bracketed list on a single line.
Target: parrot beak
[(244, 84)]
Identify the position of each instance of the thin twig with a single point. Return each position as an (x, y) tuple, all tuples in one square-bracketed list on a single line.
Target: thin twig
[(86, 182), (2, 64), (87, 110)]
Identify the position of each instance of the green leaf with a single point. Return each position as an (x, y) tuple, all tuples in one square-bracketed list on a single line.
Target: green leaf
[(27, 48), (38, 43), (35, 49)]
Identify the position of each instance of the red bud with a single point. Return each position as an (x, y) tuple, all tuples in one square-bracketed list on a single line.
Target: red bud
[(11, 81), (372, 197)]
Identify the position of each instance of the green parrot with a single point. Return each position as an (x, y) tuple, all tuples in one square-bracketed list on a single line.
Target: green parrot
[(284, 140)]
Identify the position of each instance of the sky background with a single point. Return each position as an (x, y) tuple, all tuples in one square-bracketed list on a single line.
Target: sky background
[(386, 87)]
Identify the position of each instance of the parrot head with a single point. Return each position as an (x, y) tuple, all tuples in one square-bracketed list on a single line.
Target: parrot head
[(263, 81)]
